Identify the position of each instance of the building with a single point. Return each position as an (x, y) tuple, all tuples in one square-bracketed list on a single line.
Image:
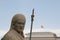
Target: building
[(42, 36)]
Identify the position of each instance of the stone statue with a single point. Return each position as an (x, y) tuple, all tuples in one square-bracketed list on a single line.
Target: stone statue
[(17, 27)]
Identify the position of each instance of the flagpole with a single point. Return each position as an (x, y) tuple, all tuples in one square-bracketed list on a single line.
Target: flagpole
[(32, 19)]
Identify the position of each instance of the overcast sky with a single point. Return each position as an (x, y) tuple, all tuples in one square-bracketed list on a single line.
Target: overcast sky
[(47, 13)]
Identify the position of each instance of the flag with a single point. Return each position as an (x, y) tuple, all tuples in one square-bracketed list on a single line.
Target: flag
[(41, 27)]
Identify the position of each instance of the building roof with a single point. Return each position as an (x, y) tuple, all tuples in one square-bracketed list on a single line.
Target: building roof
[(42, 34)]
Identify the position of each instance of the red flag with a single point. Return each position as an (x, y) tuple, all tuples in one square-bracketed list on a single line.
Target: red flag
[(42, 27)]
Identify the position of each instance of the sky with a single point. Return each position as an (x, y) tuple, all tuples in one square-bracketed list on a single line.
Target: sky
[(47, 13)]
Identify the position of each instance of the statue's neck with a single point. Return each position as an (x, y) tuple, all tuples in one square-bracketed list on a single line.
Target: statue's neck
[(21, 33)]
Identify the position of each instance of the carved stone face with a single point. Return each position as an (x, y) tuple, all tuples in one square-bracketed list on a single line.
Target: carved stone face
[(19, 25), (18, 22)]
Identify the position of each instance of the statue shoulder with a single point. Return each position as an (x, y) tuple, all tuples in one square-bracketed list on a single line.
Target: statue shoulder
[(5, 37)]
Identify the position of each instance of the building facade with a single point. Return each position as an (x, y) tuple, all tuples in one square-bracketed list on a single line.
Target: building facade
[(42, 36)]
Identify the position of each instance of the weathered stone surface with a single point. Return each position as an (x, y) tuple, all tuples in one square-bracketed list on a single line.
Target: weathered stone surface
[(17, 27)]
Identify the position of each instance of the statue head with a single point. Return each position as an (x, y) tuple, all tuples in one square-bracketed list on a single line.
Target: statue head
[(18, 22)]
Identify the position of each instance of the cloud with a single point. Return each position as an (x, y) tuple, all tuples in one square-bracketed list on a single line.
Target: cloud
[(2, 33)]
